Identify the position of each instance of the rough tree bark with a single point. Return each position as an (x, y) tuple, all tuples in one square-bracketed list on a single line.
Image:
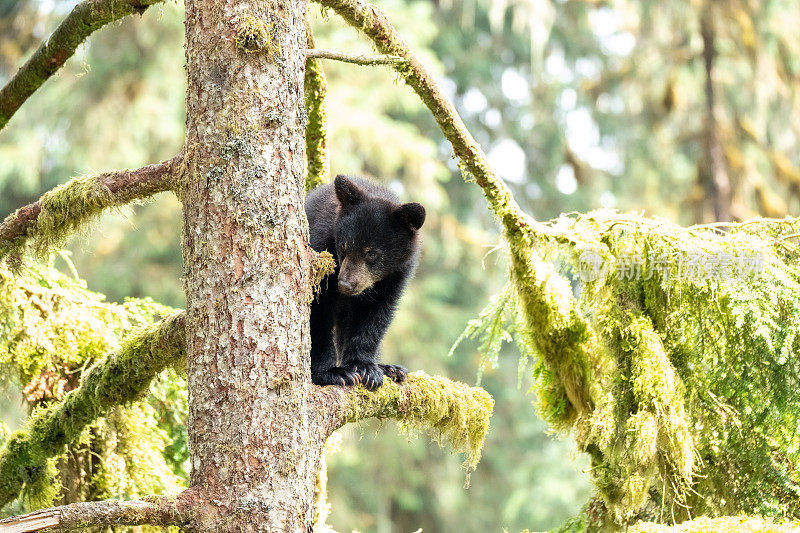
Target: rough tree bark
[(247, 267)]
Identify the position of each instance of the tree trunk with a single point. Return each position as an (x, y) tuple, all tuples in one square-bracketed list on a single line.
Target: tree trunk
[(254, 453), (717, 181)]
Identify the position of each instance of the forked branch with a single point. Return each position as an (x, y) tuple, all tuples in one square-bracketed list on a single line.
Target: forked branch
[(548, 306), (47, 223), (163, 511), (369, 19), (84, 19)]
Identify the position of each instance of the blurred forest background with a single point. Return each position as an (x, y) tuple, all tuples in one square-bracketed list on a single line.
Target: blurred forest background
[(634, 105)]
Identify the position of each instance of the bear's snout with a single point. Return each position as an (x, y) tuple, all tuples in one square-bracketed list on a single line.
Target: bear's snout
[(354, 277), (346, 287)]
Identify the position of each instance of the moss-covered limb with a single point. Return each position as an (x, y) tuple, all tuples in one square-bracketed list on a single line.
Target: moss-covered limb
[(318, 169), (161, 511), (84, 19), (355, 59), (46, 224), (452, 413), (552, 325), (117, 379), (725, 524)]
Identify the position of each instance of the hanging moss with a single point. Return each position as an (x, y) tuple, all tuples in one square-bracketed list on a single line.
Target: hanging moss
[(675, 365), (323, 266), (67, 208)]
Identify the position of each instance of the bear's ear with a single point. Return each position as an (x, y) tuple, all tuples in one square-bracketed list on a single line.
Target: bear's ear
[(347, 192), (412, 215)]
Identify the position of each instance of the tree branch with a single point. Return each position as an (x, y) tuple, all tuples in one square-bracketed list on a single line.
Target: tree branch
[(162, 511), (315, 89), (369, 19), (118, 378), (357, 59), (85, 18), (450, 412), (46, 224)]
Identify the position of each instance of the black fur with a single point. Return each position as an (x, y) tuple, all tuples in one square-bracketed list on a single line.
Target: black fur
[(375, 241)]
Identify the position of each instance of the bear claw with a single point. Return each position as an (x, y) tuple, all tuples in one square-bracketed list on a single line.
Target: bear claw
[(371, 376), (396, 372), (336, 376)]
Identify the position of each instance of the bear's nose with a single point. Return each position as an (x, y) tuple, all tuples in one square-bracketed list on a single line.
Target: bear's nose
[(345, 286)]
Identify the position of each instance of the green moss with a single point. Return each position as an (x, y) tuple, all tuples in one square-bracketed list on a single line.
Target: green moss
[(67, 208), (679, 387), (732, 524), (323, 266), (256, 36), (450, 412), (322, 508), (318, 169), (556, 331)]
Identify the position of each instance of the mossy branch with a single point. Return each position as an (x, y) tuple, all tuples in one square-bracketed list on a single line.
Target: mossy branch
[(118, 378), (84, 19), (355, 59), (452, 413), (163, 511), (315, 88), (46, 225)]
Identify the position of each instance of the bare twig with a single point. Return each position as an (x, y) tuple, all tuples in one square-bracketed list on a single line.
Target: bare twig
[(163, 511), (357, 59), (48, 222), (116, 379), (85, 18)]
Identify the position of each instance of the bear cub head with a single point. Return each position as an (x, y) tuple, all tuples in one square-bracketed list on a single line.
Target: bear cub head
[(375, 235)]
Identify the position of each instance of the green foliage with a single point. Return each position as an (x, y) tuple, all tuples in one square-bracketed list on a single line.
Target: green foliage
[(54, 333), (490, 329), (685, 390), (50, 322), (738, 524)]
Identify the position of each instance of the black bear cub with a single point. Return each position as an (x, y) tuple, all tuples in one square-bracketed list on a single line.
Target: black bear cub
[(374, 240)]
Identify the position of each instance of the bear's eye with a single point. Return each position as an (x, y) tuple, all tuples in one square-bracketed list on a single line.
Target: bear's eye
[(371, 256)]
